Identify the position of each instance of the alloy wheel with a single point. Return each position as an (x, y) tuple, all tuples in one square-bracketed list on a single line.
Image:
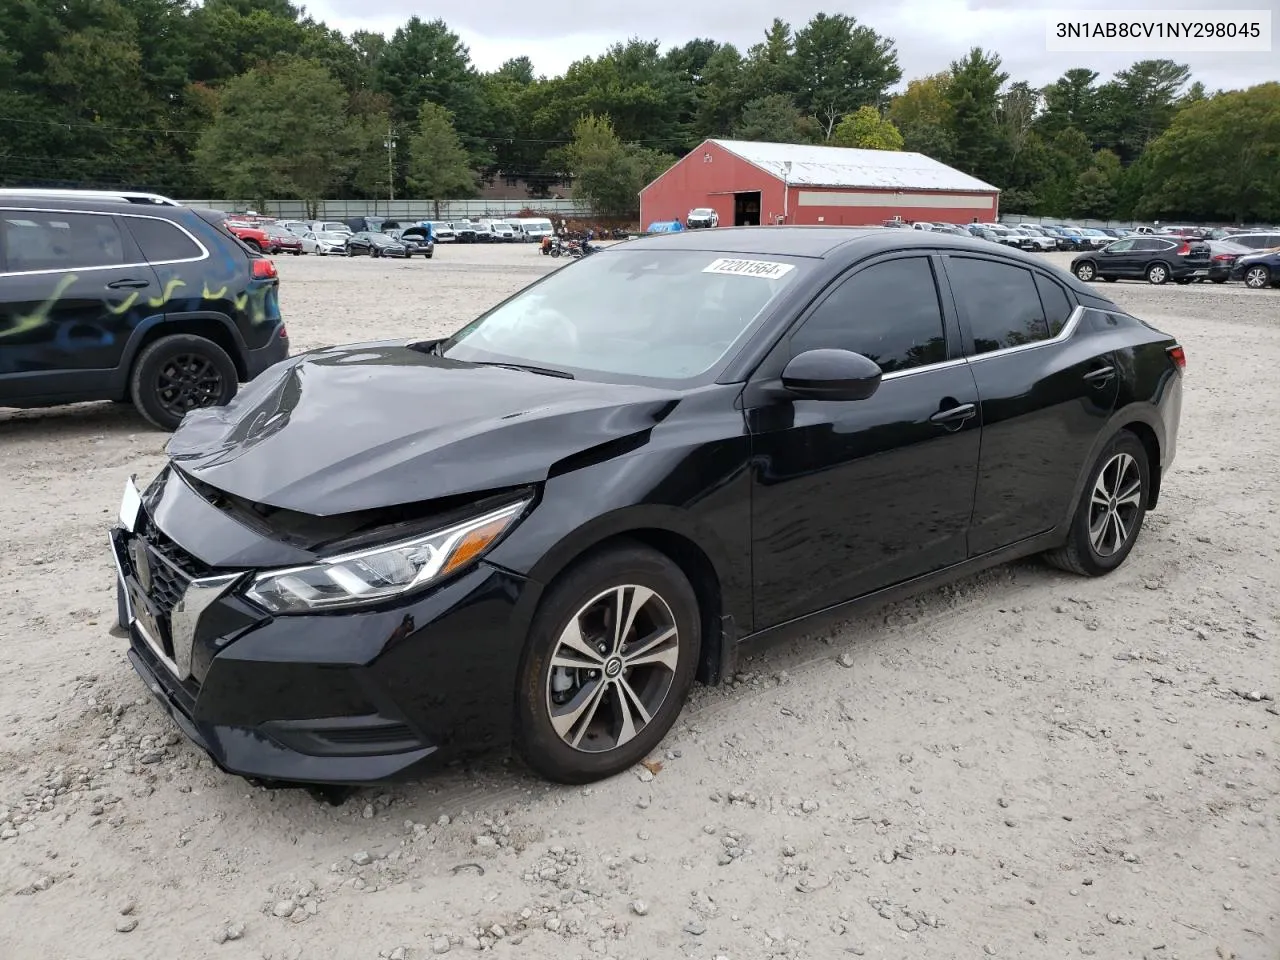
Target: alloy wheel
[(187, 382), (1115, 504), (612, 668), (1157, 274), (1085, 271), (1257, 277)]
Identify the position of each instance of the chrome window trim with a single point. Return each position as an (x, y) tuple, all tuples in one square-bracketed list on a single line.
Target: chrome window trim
[(204, 251), (1063, 335)]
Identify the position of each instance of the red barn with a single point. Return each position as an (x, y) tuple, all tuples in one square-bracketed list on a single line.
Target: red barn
[(750, 183)]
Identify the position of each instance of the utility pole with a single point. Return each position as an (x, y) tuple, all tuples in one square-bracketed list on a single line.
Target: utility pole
[(390, 144)]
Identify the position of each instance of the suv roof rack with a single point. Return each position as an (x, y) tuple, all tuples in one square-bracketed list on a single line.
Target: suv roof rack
[(122, 196)]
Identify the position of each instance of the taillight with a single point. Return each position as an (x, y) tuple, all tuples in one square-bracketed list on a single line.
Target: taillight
[(264, 269), (1184, 250), (284, 334), (1223, 256), (1178, 356)]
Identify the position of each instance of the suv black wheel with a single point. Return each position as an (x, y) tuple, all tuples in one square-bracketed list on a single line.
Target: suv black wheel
[(609, 661), (252, 245), (179, 373), (1111, 510)]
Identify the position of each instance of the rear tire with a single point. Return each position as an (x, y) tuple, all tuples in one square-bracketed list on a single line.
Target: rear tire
[(1157, 274), (252, 245), (1257, 277), (563, 732), (1117, 489), (179, 373)]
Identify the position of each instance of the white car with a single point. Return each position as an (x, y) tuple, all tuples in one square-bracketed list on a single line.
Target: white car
[(1039, 241), (702, 217), (442, 232), (325, 242), (294, 226)]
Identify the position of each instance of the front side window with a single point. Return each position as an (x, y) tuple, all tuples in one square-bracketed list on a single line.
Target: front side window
[(34, 240), (999, 301), (650, 314), (1120, 246), (887, 312)]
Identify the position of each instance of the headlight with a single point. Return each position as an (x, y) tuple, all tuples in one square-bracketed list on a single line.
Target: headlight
[(356, 579)]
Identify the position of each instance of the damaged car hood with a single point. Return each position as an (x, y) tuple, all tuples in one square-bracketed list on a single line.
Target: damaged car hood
[(377, 425)]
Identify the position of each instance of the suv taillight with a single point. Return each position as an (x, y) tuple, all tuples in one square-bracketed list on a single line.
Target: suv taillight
[(1178, 356), (264, 269), (1184, 250)]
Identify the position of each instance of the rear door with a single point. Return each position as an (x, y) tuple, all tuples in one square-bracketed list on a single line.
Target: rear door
[(1044, 393), (73, 285)]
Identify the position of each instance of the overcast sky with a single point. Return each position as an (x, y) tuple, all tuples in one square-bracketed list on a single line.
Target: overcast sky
[(929, 33)]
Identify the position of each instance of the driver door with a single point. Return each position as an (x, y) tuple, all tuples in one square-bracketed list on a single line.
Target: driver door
[(849, 497), (1119, 259)]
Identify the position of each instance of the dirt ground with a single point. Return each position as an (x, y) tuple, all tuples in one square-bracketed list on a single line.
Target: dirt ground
[(1025, 765)]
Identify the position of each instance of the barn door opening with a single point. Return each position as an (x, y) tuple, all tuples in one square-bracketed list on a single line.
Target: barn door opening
[(746, 209)]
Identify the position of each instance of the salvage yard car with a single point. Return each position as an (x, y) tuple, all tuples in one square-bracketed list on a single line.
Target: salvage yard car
[(116, 297), (544, 527), (1154, 259)]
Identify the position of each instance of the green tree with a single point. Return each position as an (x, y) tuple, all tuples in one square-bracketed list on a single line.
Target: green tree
[(280, 130), (1096, 188), (867, 130), (1137, 105), (439, 166), (841, 66), (1220, 156), (770, 66), (973, 102), (775, 119), (608, 172), (1070, 101), (721, 100), (923, 115)]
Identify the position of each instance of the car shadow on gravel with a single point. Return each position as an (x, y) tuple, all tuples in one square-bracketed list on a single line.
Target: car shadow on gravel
[(903, 627), (73, 421)]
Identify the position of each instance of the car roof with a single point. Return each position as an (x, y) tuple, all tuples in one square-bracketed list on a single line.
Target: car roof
[(89, 202), (823, 242)]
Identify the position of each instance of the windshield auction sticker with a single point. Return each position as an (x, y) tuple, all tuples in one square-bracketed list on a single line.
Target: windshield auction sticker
[(768, 269)]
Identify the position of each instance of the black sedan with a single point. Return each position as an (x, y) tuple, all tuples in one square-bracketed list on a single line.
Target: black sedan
[(1258, 270), (418, 240), (1223, 256), (1154, 259), (545, 527), (370, 244)]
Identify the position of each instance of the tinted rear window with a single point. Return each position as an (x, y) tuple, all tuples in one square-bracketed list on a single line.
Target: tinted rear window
[(160, 240)]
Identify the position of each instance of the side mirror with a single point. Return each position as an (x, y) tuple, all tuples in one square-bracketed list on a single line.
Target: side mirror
[(831, 375)]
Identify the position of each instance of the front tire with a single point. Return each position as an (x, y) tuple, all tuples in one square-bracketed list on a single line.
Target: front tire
[(610, 657), (1086, 271), (179, 373), (1109, 515)]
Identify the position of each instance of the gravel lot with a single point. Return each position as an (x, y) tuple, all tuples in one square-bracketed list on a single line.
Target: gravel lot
[(1025, 765)]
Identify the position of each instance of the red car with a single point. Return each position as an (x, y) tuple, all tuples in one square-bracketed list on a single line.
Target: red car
[(253, 237), (282, 240)]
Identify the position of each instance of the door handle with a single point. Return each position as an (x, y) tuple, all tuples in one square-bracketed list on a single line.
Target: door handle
[(128, 284), (955, 415), (1100, 376)]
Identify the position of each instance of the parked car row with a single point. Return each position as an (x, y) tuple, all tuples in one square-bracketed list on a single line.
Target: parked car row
[(1159, 259)]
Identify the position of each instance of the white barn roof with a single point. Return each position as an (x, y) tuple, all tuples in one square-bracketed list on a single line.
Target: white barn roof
[(845, 167)]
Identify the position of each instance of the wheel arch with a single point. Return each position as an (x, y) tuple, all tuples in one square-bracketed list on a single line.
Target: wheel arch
[(215, 327), (678, 537), (1143, 421)]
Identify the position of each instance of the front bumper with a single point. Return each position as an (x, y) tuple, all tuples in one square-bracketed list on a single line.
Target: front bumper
[(345, 698)]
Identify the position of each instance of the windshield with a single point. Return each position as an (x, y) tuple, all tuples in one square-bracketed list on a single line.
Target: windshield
[(651, 314)]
